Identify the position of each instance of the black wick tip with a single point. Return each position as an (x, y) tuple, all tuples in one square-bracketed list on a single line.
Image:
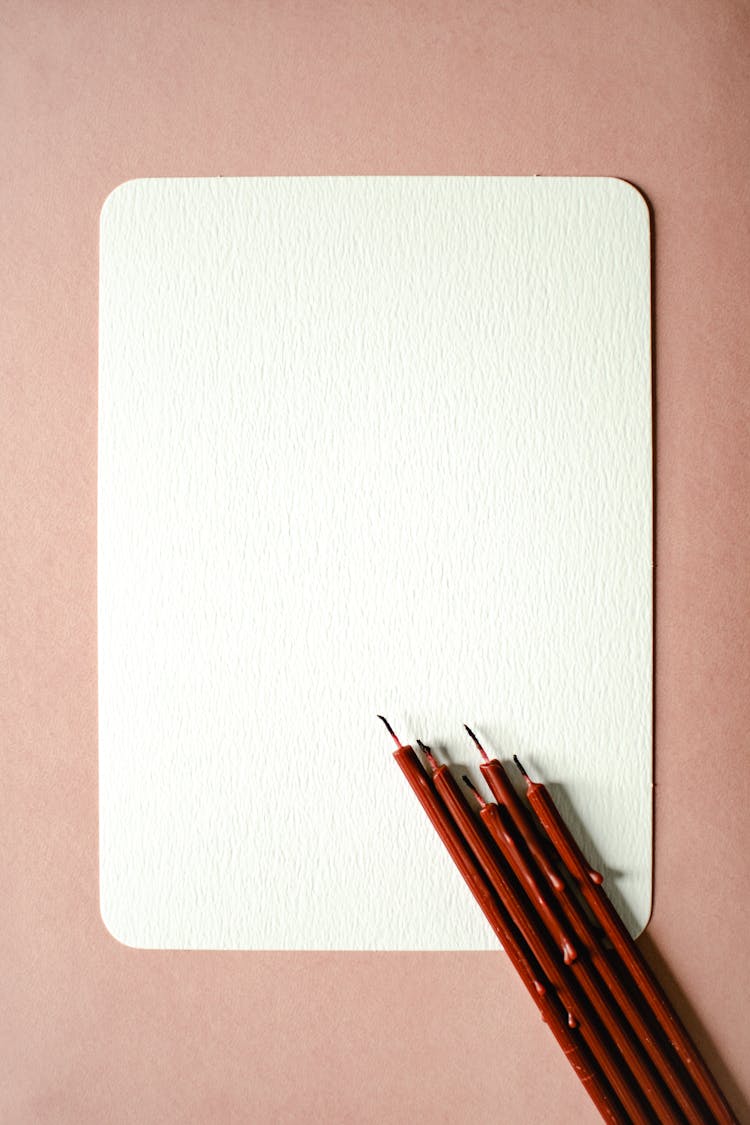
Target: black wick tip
[(523, 771)]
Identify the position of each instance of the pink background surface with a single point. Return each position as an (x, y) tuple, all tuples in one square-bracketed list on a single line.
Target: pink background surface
[(97, 93)]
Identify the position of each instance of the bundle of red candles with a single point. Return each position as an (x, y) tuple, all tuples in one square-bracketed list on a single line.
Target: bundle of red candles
[(571, 949)]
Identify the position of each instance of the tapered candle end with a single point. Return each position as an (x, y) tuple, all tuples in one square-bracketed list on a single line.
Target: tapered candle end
[(476, 742), (428, 754), (470, 785), (520, 767), (390, 730)]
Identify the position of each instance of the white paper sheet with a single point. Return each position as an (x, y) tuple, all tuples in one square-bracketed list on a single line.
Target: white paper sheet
[(366, 445)]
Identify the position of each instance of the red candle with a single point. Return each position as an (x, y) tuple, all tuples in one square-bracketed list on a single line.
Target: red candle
[(533, 933), (504, 792), (545, 999), (495, 818), (622, 1034), (512, 826), (589, 882)]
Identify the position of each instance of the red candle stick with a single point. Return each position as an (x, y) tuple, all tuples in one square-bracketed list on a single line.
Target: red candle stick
[(512, 826), (544, 997), (495, 818), (533, 933), (504, 792), (498, 828), (590, 882)]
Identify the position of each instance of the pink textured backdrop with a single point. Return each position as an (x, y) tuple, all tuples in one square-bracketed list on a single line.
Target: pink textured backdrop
[(96, 93)]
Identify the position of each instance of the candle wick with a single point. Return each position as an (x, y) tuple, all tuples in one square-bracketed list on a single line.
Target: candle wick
[(467, 781), (390, 730), (523, 771), (428, 754), (476, 742)]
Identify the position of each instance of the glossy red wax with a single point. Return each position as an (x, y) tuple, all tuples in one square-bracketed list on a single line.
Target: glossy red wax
[(500, 826), (590, 883), (543, 996), (634, 1100), (504, 792), (495, 818), (516, 832)]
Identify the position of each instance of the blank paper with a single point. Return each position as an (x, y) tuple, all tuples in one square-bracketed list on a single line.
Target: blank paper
[(370, 444)]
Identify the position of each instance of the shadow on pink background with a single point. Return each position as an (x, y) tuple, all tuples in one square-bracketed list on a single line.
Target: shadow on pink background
[(97, 93)]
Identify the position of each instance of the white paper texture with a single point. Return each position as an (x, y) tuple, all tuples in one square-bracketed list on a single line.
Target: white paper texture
[(366, 445)]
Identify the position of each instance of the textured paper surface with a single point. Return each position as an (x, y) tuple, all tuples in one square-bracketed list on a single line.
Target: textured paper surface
[(365, 444)]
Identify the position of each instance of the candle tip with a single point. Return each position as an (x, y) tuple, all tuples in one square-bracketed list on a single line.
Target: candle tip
[(470, 784), (476, 742), (428, 754), (390, 730), (520, 767)]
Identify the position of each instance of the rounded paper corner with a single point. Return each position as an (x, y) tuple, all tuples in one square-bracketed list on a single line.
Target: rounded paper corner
[(635, 196), (117, 194), (645, 911), (111, 928), (643, 925)]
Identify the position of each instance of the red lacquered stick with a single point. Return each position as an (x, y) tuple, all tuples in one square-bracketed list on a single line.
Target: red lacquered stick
[(533, 933), (526, 833), (590, 884), (546, 1001)]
